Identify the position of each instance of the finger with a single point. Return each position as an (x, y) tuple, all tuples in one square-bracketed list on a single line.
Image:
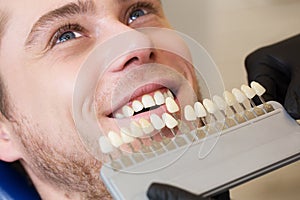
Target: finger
[(158, 191)]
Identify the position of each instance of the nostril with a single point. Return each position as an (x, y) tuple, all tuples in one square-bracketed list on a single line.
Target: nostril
[(131, 61)]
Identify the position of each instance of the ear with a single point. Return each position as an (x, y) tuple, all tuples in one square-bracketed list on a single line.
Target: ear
[(8, 150)]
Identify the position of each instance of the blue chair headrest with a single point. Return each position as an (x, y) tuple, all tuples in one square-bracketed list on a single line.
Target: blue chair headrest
[(14, 185)]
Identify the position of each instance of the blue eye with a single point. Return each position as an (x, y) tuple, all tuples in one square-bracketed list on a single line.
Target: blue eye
[(136, 14), (69, 35)]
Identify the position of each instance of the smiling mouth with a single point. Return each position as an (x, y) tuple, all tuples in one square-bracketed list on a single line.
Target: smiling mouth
[(143, 102)]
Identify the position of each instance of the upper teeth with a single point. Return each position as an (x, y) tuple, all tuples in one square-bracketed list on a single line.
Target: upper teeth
[(137, 106), (148, 101)]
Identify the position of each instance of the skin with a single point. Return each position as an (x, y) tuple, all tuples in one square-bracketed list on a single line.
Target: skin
[(39, 130)]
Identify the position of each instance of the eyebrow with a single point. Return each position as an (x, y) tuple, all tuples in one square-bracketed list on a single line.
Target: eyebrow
[(67, 11)]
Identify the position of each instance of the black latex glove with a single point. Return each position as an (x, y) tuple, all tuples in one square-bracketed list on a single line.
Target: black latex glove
[(159, 191), (277, 68)]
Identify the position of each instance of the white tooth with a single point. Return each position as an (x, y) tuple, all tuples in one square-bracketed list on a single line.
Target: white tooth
[(249, 92), (220, 102), (127, 111), (137, 106), (259, 89), (126, 136), (119, 116), (136, 129), (169, 120), (105, 145), (146, 126), (229, 98), (172, 106), (148, 101), (199, 110), (210, 106), (169, 93), (159, 98), (239, 96), (115, 139), (157, 122), (189, 113)]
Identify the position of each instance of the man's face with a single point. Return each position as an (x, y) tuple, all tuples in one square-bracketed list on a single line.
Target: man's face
[(42, 50)]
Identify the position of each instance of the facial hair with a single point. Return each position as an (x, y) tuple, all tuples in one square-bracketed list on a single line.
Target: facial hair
[(76, 172)]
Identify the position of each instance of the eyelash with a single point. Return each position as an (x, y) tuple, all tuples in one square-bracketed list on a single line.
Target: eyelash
[(64, 29), (150, 8)]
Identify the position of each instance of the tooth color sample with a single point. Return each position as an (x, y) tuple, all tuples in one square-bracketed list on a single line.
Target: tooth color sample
[(220, 102), (229, 98), (239, 95), (169, 120), (136, 129), (105, 145), (259, 89), (126, 136), (189, 113), (157, 122), (172, 106), (249, 92), (115, 139), (146, 126), (148, 101), (210, 106), (199, 110)]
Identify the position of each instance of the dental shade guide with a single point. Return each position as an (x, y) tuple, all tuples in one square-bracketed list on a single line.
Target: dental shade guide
[(260, 138)]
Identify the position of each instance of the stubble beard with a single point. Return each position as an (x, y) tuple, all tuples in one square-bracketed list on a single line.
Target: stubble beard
[(76, 172)]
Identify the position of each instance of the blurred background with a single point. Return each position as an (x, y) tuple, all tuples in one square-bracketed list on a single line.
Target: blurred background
[(229, 30)]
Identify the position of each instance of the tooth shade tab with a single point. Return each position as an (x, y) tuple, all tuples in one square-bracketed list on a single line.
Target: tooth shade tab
[(115, 139), (105, 145), (127, 111), (239, 95), (169, 120), (171, 105), (249, 92), (258, 88), (210, 106), (136, 129), (220, 102), (137, 106), (157, 122), (146, 126), (189, 113), (126, 136), (199, 110), (229, 98), (148, 101), (159, 98)]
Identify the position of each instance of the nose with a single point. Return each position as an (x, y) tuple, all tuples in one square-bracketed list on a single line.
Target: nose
[(139, 57), (131, 48)]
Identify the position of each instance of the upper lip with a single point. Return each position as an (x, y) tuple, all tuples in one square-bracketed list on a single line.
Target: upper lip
[(145, 89)]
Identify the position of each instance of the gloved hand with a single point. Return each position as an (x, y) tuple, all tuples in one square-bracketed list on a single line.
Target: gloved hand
[(159, 191), (277, 68)]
